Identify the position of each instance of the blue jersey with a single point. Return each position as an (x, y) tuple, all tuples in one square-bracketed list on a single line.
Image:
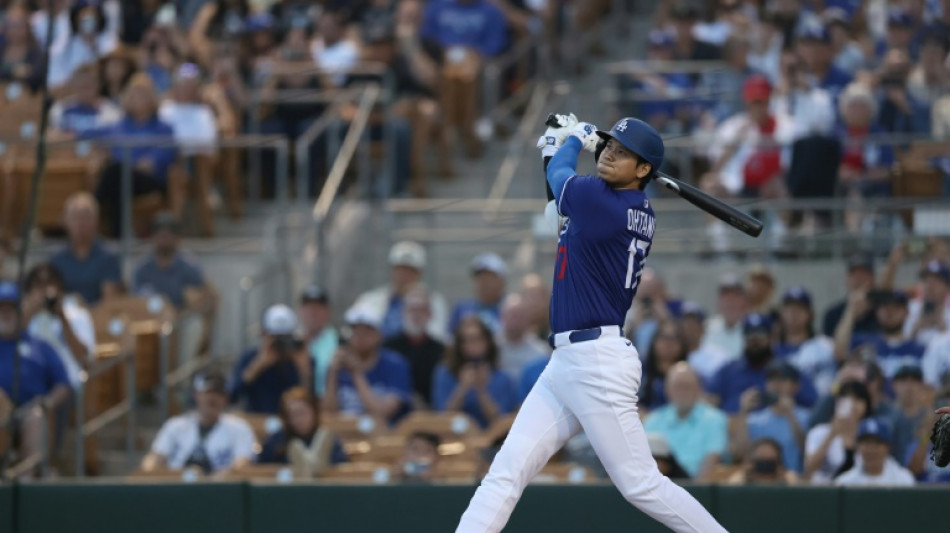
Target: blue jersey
[(602, 247)]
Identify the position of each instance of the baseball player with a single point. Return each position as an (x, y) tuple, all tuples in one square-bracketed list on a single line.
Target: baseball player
[(592, 379)]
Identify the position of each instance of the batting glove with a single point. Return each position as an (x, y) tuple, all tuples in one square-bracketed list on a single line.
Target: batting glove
[(555, 136), (587, 134)]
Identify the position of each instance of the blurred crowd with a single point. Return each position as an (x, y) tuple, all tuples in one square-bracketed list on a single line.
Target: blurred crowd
[(762, 389), (800, 99)]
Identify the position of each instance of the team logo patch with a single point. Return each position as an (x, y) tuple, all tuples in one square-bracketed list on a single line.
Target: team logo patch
[(646, 204), (622, 126)]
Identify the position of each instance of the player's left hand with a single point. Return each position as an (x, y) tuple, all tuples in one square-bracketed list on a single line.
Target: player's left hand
[(587, 133)]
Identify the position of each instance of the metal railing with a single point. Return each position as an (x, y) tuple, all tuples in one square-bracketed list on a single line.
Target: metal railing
[(495, 108), (126, 408), (38, 459), (250, 284)]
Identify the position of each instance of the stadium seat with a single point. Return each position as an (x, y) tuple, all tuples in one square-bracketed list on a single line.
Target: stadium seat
[(565, 473), (352, 428), (144, 317), (456, 471), (445, 425), (379, 473), (164, 474), (916, 175), (263, 425)]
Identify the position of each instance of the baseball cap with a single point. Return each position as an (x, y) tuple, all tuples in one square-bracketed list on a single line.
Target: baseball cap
[(936, 268), (210, 382), (188, 71), (900, 18), (279, 320), (262, 21), (756, 88), (659, 446), (909, 372), (892, 297), (815, 32), (730, 282), (754, 323), (313, 293), (9, 292), (363, 316), (782, 370), (489, 262), (798, 295), (872, 428), (409, 254), (693, 309), (861, 260), (836, 15)]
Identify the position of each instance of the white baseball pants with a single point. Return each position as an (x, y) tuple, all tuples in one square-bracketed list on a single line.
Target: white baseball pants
[(591, 386)]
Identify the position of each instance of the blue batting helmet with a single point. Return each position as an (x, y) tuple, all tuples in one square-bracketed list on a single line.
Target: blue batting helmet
[(638, 137)]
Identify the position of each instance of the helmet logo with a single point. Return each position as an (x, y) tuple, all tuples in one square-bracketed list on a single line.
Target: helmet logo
[(622, 126)]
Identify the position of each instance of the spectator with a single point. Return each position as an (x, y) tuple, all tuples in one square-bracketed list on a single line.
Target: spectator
[(849, 56), (530, 374), (705, 359), (151, 162), (423, 352), (913, 411), (407, 259), (810, 353), (260, 41), (806, 109), (320, 337), (301, 442), (828, 445), (171, 272), (85, 110), (365, 378), (191, 119), (116, 70), (900, 33), (89, 38), (665, 113), (866, 372), (723, 85), (43, 380), (764, 466), (162, 53), (470, 380), (899, 111), (859, 278), (652, 306), (814, 46), (488, 281), (463, 26), (929, 314), (760, 291), (663, 455), (538, 297), (421, 458), (667, 349), (264, 373), (685, 17), (207, 438), (745, 160), (890, 348), (331, 50), (772, 415), (695, 431), (767, 43), (724, 330), (58, 320), (877, 467), (517, 345), (920, 451), (175, 275), (936, 362), (737, 377), (216, 21), (930, 79), (89, 269), (21, 57)]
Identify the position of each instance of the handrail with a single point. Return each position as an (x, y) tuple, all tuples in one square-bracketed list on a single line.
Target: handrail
[(516, 150), (350, 142), (39, 458), (86, 428), (636, 66), (248, 283), (494, 69), (308, 137)]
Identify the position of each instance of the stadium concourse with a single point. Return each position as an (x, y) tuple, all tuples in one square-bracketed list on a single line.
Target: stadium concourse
[(302, 243)]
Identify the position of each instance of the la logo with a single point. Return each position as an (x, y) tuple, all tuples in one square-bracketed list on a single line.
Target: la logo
[(622, 126)]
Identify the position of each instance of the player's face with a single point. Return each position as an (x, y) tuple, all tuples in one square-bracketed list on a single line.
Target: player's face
[(619, 167)]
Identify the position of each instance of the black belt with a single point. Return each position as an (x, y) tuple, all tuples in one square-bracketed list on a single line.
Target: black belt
[(579, 335)]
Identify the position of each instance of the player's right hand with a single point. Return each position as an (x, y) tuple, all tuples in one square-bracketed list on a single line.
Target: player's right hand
[(587, 133), (554, 136)]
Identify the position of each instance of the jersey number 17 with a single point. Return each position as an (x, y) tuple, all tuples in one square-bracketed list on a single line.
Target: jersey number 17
[(637, 248)]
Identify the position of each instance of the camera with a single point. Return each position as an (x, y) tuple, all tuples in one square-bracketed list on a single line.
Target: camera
[(286, 345), (50, 302)]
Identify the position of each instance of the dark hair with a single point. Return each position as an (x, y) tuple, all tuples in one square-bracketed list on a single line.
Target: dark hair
[(430, 438), (767, 441), (216, 24), (650, 371), (810, 327), (456, 360), (856, 389), (43, 272), (74, 17), (291, 395)]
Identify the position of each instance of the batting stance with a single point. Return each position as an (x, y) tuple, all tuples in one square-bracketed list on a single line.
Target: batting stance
[(592, 380)]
